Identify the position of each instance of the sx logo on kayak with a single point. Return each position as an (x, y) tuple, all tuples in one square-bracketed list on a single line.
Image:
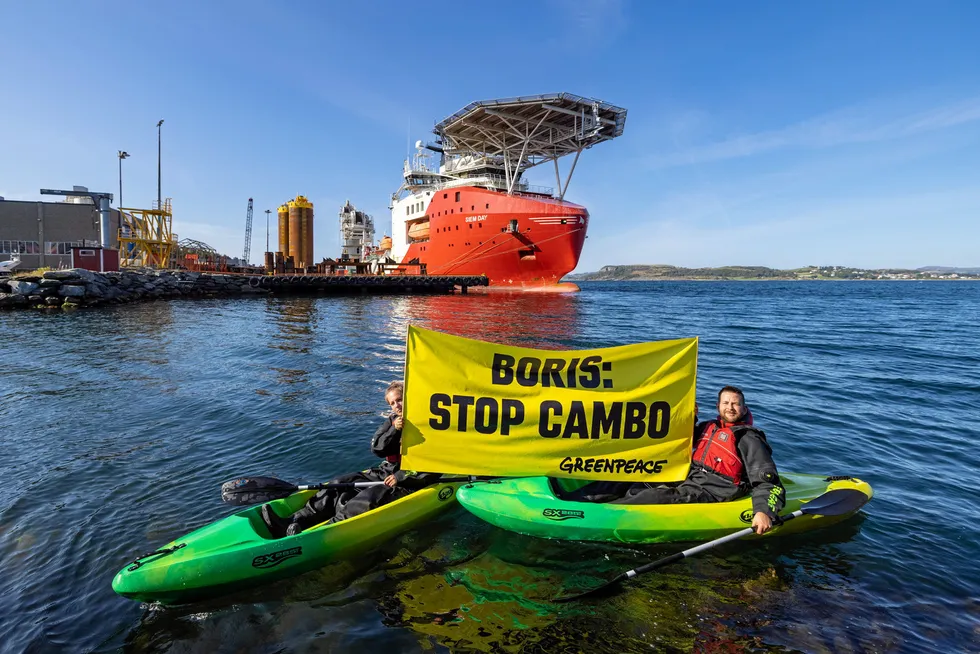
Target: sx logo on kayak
[(274, 559), (562, 514)]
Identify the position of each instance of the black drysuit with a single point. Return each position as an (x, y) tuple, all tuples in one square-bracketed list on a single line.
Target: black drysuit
[(335, 504), (759, 478)]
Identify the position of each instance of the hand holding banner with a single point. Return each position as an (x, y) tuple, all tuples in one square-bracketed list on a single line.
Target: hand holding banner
[(621, 413)]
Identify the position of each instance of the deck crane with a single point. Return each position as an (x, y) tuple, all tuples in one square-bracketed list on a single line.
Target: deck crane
[(248, 233)]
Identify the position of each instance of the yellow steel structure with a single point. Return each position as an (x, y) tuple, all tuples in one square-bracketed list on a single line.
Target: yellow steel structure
[(146, 237)]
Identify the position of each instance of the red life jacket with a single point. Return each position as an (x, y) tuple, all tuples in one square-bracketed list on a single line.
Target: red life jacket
[(717, 449), (394, 458)]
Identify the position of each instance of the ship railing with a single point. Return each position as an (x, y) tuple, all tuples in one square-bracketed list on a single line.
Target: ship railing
[(496, 181), (536, 189)]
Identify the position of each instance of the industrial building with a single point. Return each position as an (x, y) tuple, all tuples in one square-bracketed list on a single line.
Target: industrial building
[(356, 233), (41, 234)]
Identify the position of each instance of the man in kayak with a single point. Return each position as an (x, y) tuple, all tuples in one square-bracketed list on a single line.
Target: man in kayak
[(333, 505), (731, 459)]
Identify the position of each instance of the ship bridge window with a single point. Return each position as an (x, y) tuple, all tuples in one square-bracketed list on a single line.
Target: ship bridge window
[(472, 207), (488, 205), (445, 196), (457, 196)]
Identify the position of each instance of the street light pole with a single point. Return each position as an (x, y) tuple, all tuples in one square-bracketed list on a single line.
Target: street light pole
[(159, 197), (122, 155), (267, 212)]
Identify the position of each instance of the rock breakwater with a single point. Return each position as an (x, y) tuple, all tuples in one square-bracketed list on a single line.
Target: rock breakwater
[(70, 289)]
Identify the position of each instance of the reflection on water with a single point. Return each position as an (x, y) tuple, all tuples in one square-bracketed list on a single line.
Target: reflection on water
[(296, 322), (296, 319), (537, 320)]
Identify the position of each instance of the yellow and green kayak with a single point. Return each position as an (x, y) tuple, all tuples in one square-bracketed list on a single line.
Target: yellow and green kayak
[(239, 552), (534, 506)]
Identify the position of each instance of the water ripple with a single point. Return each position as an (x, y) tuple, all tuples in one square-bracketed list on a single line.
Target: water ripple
[(122, 423)]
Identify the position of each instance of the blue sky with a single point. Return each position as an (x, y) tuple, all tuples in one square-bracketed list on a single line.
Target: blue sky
[(771, 133)]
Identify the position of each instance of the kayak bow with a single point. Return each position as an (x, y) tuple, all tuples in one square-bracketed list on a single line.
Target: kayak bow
[(239, 552)]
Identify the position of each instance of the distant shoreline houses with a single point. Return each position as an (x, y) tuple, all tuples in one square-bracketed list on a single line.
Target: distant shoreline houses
[(762, 273)]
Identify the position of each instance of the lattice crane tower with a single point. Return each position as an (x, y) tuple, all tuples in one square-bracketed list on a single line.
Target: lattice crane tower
[(248, 233)]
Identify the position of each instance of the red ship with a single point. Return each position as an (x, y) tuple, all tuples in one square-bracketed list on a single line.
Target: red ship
[(474, 214)]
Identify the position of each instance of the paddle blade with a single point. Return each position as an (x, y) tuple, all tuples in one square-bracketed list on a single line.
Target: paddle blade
[(594, 591), (840, 501), (255, 490)]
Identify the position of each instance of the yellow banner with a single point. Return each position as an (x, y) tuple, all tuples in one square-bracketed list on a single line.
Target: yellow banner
[(619, 413)]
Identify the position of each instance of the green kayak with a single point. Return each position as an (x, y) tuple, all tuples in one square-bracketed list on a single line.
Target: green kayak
[(534, 506), (238, 552)]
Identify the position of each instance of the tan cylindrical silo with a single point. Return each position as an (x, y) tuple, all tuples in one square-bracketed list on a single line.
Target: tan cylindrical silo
[(297, 243), (283, 214), (301, 223), (308, 230), (310, 236)]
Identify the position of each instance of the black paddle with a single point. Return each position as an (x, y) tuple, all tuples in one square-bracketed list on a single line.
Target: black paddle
[(257, 490), (832, 503)]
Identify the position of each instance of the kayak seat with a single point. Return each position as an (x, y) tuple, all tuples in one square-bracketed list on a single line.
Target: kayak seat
[(562, 488), (567, 490), (257, 525)]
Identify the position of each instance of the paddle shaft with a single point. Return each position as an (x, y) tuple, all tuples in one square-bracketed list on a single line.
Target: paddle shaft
[(673, 558), (367, 484), (257, 490), (353, 484)]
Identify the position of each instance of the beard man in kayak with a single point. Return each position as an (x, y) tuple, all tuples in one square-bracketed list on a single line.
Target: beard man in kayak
[(333, 505), (731, 459)]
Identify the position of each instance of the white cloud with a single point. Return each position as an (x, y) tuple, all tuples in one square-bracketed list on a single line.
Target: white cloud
[(592, 22), (861, 124)]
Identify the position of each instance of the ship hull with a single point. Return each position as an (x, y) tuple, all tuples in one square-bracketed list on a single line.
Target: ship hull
[(517, 241)]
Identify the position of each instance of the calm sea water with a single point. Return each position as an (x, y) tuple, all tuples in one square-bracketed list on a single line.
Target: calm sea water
[(120, 424)]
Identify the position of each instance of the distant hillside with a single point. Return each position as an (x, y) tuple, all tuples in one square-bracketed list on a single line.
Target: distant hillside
[(657, 271), (664, 272)]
